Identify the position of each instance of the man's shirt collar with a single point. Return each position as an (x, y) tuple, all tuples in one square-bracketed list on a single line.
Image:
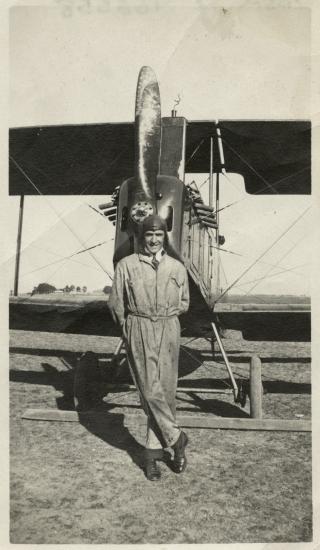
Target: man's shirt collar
[(159, 254), (147, 257)]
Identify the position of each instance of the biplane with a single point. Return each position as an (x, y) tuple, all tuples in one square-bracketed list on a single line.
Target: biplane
[(143, 165)]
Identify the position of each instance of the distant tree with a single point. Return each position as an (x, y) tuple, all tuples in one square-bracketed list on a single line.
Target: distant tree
[(71, 287), (78, 289), (66, 288), (107, 289), (84, 289), (44, 288)]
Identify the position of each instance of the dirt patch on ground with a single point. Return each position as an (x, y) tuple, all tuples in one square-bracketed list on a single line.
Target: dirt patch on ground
[(83, 482)]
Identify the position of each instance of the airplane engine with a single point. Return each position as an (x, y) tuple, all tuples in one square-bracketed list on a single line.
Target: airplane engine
[(170, 201), (153, 189)]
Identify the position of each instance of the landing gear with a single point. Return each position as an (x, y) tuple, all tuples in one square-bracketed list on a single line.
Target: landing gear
[(242, 393), (243, 388), (87, 388), (95, 376), (235, 388), (92, 380)]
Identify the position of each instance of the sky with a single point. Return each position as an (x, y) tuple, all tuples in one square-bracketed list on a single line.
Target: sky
[(74, 63)]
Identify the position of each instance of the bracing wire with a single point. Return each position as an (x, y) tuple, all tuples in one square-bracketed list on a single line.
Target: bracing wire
[(94, 178), (290, 269), (260, 191), (79, 251), (100, 172), (97, 211), (58, 215), (223, 271), (269, 185), (227, 251), (65, 258), (263, 253), (32, 244), (220, 249), (89, 266), (247, 196), (196, 149), (205, 181), (224, 173), (276, 265), (200, 363)]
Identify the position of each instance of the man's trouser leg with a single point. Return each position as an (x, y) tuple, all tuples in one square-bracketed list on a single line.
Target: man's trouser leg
[(153, 352)]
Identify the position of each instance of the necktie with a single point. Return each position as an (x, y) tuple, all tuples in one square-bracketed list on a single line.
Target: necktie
[(155, 262)]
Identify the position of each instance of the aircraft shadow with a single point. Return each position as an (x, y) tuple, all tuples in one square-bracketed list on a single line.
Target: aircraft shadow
[(214, 406), (185, 361), (63, 381), (269, 386), (110, 428), (207, 355), (247, 359), (45, 352)]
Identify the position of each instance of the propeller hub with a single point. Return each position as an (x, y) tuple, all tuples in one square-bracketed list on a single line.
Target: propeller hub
[(140, 211)]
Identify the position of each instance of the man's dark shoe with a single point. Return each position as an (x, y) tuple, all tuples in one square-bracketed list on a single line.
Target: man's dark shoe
[(151, 470), (179, 462)]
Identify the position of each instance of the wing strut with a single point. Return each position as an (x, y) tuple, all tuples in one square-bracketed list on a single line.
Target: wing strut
[(17, 267)]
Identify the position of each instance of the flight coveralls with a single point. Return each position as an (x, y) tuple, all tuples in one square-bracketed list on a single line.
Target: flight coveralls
[(146, 301)]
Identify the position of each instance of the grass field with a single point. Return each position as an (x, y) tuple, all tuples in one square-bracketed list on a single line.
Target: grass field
[(83, 482)]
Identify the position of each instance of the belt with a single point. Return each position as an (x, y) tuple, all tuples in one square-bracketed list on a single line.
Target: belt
[(152, 317)]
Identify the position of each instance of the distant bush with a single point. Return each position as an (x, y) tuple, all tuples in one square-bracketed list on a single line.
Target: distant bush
[(43, 288), (107, 289), (68, 288)]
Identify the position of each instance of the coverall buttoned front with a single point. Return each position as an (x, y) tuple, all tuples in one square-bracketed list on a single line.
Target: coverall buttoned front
[(146, 302)]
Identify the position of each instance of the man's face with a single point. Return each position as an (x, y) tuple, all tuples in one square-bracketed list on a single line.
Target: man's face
[(153, 241)]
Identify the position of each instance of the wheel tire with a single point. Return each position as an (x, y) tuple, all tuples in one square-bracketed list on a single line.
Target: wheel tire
[(87, 382)]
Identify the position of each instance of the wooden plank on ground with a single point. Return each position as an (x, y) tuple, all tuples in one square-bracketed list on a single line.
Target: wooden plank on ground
[(265, 424), (51, 415), (118, 388), (210, 422)]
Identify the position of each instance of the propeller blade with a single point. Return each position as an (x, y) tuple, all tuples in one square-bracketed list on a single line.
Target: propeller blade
[(148, 133)]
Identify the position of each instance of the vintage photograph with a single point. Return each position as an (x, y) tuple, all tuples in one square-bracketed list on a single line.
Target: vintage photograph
[(157, 260)]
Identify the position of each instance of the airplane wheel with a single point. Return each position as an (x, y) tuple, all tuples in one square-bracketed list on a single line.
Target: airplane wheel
[(87, 382), (242, 393), (255, 388)]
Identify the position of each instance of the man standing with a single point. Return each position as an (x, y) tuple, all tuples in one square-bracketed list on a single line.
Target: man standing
[(149, 291)]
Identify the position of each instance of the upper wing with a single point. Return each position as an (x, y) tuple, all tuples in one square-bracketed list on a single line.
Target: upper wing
[(272, 156), (92, 159), (88, 159)]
